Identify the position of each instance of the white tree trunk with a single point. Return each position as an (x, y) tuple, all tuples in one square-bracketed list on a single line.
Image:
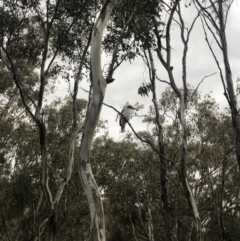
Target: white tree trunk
[(97, 227)]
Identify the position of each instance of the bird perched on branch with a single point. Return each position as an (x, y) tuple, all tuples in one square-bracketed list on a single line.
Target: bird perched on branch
[(125, 115)]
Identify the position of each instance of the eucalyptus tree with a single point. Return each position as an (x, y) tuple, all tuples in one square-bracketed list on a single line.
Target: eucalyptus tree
[(126, 174), (45, 37), (41, 40), (212, 152), (146, 36), (212, 171), (183, 101), (22, 210), (121, 40), (214, 17), (141, 36), (161, 42)]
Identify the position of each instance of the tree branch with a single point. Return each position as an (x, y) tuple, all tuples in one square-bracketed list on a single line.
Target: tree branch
[(193, 93), (147, 141)]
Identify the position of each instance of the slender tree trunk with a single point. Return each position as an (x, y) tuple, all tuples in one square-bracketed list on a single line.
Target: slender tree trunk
[(219, 24), (163, 166), (38, 117), (97, 227), (228, 76), (166, 62), (196, 236)]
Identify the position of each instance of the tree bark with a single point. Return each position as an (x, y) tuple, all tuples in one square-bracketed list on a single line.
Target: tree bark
[(229, 82), (163, 166), (219, 34), (97, 226), (166, 62)]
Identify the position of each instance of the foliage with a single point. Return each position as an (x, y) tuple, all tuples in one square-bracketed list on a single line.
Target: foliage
[(45, 42), (126, 172), (144, 89)]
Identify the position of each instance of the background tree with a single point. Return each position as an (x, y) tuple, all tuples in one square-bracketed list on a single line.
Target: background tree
[(37, 36), (138, 180), (162, 45), (214, 18)]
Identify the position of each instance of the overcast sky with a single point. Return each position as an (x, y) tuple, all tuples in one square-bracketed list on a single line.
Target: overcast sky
[(200, 63)]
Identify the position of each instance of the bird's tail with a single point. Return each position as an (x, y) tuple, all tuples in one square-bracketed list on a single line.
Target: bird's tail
[(123, 128)]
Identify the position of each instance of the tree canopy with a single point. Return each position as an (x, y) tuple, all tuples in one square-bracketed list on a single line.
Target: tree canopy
[(63, 176)]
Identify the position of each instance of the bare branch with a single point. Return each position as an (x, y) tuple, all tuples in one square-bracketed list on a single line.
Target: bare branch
[(207, 14), (22, 92), (70, 163), (76, 82), (163, 81), (218, 65), (213, 34), (147, 141), (193, 93)]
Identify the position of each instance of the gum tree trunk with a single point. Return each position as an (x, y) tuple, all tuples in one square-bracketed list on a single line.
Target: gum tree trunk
[(97, 226), (182, 97)]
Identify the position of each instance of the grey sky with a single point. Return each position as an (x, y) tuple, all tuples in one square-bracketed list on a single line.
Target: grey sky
[(200, 63)]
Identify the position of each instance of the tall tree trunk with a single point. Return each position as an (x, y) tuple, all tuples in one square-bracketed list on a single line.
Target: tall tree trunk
[(166, 62), (197, 230), (228, 75), (97, 227), (163, 166), (219, 33)]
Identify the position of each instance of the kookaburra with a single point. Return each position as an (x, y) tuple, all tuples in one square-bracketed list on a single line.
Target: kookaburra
[(125, 115)]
